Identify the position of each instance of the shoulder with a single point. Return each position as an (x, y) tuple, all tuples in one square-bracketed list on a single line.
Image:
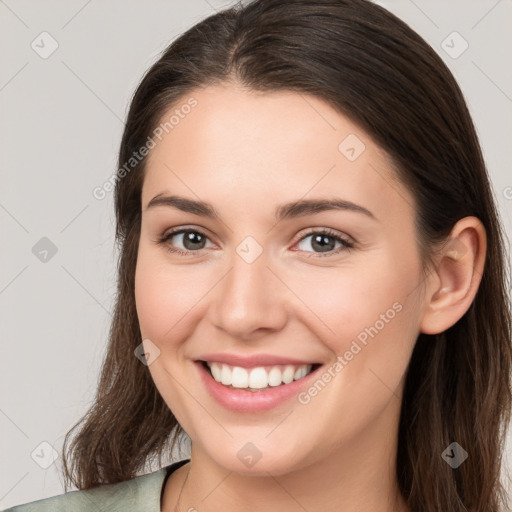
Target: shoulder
[(140, 494), (112, 497)]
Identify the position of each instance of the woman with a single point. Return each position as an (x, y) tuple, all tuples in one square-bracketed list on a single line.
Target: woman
[(311, 281)]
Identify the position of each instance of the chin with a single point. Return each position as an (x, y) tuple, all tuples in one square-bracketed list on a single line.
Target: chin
[(249, 461)]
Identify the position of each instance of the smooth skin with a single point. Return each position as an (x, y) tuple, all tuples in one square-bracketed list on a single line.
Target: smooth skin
[(246, 153)]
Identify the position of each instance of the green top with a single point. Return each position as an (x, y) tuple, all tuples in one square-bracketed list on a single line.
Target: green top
[(140, 494)]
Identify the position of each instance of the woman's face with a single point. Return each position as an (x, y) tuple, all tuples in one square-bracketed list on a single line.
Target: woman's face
[(262, 278)]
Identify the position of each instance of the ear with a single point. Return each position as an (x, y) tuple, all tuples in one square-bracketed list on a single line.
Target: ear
[(453, 283)]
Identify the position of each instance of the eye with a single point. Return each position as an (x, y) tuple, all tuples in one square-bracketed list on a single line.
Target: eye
[(324, 241), (192, 240)]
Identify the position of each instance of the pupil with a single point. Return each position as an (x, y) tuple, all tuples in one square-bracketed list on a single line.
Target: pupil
[(192, 238), (322, 242)]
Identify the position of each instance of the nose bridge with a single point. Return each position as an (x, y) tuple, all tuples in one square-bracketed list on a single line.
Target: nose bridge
[(248, 296)]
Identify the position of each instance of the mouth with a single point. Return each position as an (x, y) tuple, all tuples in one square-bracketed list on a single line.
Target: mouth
[(258, 378)]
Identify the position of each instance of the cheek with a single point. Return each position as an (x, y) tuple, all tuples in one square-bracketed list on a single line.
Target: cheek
[(367, 315), (167, 297), (372, 321), (157, 297), (378, 324), (345, 301), (149, 300)]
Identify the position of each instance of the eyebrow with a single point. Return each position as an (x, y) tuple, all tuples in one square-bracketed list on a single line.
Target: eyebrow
[(290, 210)]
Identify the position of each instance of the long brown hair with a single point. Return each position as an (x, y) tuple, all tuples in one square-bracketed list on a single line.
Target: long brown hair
[(378, 72)]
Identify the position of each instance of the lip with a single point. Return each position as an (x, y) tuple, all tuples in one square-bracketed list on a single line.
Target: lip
[(252, 361), (243, 400)]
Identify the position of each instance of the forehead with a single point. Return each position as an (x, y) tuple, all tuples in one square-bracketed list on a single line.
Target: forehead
[(268, 147)]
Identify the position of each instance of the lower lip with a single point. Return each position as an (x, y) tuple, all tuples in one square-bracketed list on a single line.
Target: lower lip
[(243, 400)]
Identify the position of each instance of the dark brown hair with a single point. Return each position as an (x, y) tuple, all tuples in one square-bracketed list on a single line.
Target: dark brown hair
[(378, 72)]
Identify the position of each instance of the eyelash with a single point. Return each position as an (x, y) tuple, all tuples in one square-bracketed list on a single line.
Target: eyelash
[(346, 244)]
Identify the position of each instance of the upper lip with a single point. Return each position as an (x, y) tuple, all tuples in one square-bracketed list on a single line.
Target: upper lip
[(252, 361)]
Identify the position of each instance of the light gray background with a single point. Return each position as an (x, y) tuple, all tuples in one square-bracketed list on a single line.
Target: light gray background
[(60, 127)]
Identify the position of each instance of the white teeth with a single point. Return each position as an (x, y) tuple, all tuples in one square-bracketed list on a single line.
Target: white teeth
[(288, 374), (259, 377), (299, 373), (225, 376), (239, 377), (216, 372), (274, 377)]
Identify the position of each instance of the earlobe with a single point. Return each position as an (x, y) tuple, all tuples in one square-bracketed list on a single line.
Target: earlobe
[(458, 272)]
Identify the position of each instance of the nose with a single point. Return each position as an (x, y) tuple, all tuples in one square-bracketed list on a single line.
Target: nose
[(250, 301)]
